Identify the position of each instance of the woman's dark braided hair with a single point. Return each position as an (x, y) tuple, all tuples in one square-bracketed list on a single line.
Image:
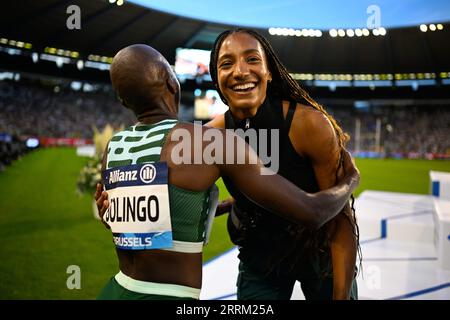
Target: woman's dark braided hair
[(286, 88)]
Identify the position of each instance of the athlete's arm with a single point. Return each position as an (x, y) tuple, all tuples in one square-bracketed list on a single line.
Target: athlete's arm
[(322, 149), (101, 197), (277, 194), (224, 206)]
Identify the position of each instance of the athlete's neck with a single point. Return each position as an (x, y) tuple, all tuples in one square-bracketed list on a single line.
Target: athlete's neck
[(150, 117), (241, 114)]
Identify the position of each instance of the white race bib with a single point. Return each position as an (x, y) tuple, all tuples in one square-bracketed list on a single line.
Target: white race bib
[(139, 210)]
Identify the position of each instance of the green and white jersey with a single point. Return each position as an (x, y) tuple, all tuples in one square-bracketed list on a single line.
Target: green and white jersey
[(142, 143)]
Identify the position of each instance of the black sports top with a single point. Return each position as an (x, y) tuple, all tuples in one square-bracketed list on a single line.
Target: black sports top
[(293, 167)]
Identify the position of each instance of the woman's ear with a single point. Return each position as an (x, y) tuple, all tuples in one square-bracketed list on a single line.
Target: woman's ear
[(269, 78), (174, 88), (172, 85)]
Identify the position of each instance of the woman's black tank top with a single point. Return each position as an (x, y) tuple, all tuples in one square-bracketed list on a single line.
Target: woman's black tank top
[(263, 227)]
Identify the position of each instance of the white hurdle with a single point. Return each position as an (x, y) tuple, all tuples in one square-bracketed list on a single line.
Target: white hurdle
[(440, 184), (442, 231), (440, 189)]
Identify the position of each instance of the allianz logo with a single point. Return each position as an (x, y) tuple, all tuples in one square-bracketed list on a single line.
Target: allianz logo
[(147, 174)]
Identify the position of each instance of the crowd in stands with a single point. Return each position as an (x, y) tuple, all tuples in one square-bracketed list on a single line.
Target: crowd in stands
[(39, 111), (11, 148), (419, 130), (35, 110), (405, 131)]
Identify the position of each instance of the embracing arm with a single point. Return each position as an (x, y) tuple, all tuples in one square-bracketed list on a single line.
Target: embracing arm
[(280, 196), (225, 205), (325, 162)]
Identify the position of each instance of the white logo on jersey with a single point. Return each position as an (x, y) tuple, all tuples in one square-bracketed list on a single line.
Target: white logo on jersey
[(148, 173), (117, 175)]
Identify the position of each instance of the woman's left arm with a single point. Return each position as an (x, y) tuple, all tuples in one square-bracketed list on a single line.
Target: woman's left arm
[(314, 137)]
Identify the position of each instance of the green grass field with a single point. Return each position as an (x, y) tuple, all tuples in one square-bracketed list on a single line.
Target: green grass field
[(45, 227)]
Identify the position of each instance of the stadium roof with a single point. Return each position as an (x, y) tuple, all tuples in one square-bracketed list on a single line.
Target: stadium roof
[(106, 28), (323, 14)]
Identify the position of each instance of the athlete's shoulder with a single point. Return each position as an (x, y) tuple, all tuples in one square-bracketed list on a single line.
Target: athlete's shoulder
[(307, 117), (195, 132), (116, 137), (311, 131), (189, 126), (217, 122)]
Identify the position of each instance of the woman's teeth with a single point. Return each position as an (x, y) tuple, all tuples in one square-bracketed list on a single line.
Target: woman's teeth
[(244, 87)]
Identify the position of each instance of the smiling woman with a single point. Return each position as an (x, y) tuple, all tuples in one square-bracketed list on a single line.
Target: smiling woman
[(243, 73), (274, 253)]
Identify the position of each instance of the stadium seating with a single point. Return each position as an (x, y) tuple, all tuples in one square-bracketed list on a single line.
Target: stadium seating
[(407, 132)]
